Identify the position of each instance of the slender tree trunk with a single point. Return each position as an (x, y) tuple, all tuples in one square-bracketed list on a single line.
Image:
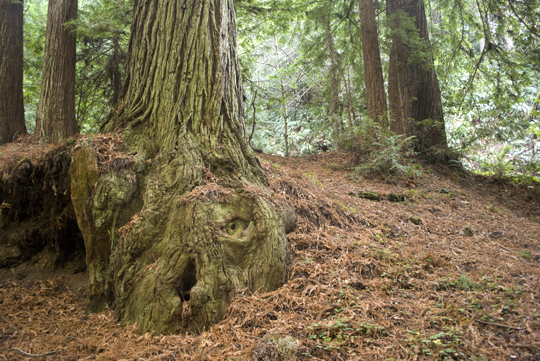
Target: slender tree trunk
[(11, 71), (535, 109), (350, 99), (113, 70), (376, 97), (413, 87), (286, 118), (185, 218), (286, 126), (55, 118), (350, 108), (334, 78)]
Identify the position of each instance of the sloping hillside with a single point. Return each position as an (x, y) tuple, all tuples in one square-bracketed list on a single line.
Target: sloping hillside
[(444, 266)]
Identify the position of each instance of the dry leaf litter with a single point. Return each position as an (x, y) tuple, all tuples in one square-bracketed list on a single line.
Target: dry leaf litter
[(451, 273)]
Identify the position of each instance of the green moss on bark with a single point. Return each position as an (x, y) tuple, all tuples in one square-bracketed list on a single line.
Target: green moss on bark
[(206, 226)]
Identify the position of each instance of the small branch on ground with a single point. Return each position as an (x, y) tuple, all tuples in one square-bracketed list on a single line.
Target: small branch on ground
[(499, 325), (32, 355)]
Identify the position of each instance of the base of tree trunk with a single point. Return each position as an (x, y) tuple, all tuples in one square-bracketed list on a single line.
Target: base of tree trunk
[(165, 250), (168, 243)]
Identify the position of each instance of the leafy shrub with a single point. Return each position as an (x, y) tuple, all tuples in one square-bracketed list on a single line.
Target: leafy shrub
[(498, 164), (377, 150), (519, 162)]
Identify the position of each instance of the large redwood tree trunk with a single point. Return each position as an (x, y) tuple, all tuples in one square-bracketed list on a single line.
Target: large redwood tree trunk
[(413, 87), (11, 71), (183, 219), (55, 118), (376, 96)]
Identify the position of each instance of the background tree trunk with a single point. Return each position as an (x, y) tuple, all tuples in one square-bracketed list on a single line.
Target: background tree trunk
[(535, 109), (376, 97), (55, 118), (113, 71), (176, 227), (11, 71), (413, 87), (334, 77)]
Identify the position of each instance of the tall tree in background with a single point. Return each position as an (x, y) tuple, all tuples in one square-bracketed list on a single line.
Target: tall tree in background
[(413, 88), (55, 118), (335, 76), (103, 33), (11, 70), (535, 109), (376, 97), (185, 218)]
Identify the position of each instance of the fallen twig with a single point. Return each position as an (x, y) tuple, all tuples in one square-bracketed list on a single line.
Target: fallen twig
[(508, 250), (499, 325), (32, 355), (258, 338), (528, 345)]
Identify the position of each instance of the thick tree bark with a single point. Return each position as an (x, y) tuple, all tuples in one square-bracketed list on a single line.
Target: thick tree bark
[(184, 220), (376, 97), (55, 118), (11, 71), (413, 87)]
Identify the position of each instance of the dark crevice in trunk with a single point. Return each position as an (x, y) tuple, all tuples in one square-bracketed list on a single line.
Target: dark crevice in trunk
[(187, 281)]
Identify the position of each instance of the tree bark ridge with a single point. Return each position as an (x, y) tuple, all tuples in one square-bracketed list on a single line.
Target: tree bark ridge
[(11, 71)]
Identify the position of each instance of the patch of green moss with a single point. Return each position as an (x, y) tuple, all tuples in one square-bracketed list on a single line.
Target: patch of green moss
[(416, 220)]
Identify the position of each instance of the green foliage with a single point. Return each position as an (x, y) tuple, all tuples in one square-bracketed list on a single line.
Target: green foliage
[(102, 42), (377, 150), (486, 57), (314, 179), (498, 164), (493, 208), (416, 220), (489, 70), (441, 344), (409, 35), (519, 162), (525, 254), (338, 329), (469, 231), (463, 283), (285, 64), (35, 21)]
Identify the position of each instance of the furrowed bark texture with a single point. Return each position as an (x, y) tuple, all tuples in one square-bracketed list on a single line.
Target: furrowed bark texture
[(413, 87), (174, 235), (11, 71), (55, 118), (376, 97)]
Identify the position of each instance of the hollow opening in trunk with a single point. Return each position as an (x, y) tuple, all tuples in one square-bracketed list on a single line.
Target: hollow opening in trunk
[(187, 281)]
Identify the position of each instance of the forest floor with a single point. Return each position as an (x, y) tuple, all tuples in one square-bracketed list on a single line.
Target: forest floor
[(449, 272)]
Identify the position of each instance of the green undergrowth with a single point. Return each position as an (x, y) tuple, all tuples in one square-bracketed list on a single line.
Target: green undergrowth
[(376, 150)]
